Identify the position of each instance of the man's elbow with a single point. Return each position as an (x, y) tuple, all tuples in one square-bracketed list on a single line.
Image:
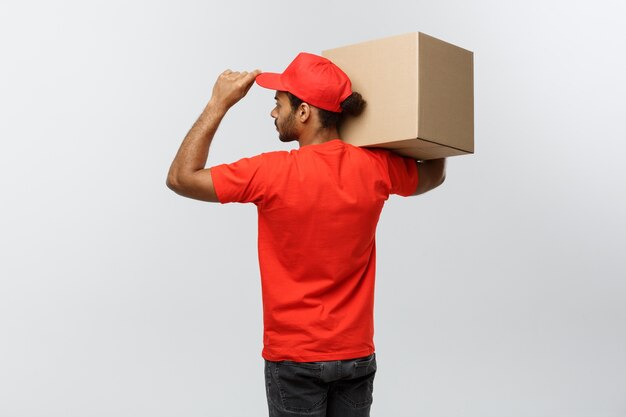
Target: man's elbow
[(197, 185), (431, 174), (175, 182), (437, 181), (179, 187), (442, 178), (438, 173), (433, 183), (171, 182)]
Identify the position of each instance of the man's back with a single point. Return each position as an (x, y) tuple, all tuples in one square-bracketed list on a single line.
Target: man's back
[(318, 210)]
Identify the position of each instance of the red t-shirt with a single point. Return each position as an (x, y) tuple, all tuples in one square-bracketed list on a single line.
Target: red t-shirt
[(318, 208)]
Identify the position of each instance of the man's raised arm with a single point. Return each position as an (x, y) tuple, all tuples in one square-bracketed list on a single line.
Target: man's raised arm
[(187, 175)]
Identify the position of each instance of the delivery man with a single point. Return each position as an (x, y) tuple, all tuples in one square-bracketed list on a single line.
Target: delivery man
[(318, 207)]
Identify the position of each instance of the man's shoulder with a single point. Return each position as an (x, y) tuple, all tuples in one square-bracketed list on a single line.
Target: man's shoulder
[(374, 153), (263, 156), (387, 154)]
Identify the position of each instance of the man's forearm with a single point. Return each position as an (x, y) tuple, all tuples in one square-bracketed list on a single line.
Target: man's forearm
[(194, 151)]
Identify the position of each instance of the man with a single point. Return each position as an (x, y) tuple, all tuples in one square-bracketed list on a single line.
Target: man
[(318, 207)]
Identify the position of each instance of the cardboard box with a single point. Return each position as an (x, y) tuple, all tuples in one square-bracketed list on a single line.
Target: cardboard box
[(419, 92)]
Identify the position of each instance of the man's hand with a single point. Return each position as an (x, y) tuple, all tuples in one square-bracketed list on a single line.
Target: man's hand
[(187, 175), (232, 86)]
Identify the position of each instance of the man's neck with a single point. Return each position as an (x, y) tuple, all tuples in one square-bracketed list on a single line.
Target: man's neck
[(317, 137)]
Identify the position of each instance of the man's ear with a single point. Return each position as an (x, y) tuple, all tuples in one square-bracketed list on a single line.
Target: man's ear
[(303, 112)]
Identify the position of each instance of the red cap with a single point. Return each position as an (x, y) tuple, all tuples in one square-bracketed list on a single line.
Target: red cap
[(313, 79)]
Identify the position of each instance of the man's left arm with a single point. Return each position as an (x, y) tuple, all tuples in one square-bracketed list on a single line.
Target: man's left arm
[(430, 174), (187, 175)]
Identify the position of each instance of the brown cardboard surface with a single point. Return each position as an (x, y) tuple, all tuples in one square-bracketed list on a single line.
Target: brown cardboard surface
[(419, 93)]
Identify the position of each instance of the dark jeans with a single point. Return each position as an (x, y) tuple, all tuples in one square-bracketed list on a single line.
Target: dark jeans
[(320, 389)]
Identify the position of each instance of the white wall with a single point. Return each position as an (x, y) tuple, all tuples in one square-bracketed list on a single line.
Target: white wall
[(502, 293)]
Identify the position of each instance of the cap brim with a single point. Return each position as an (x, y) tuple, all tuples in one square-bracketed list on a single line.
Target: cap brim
[(270, 80)]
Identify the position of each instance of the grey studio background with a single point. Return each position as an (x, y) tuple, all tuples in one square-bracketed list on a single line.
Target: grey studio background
[(502, 293)]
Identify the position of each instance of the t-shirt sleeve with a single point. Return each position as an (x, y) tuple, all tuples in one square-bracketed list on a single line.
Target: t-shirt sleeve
[(402, 174), (241, 181)]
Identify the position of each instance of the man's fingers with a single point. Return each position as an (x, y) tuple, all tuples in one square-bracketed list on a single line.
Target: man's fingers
[(250, 76), (244, 78), (242, 73), (232, 86)]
